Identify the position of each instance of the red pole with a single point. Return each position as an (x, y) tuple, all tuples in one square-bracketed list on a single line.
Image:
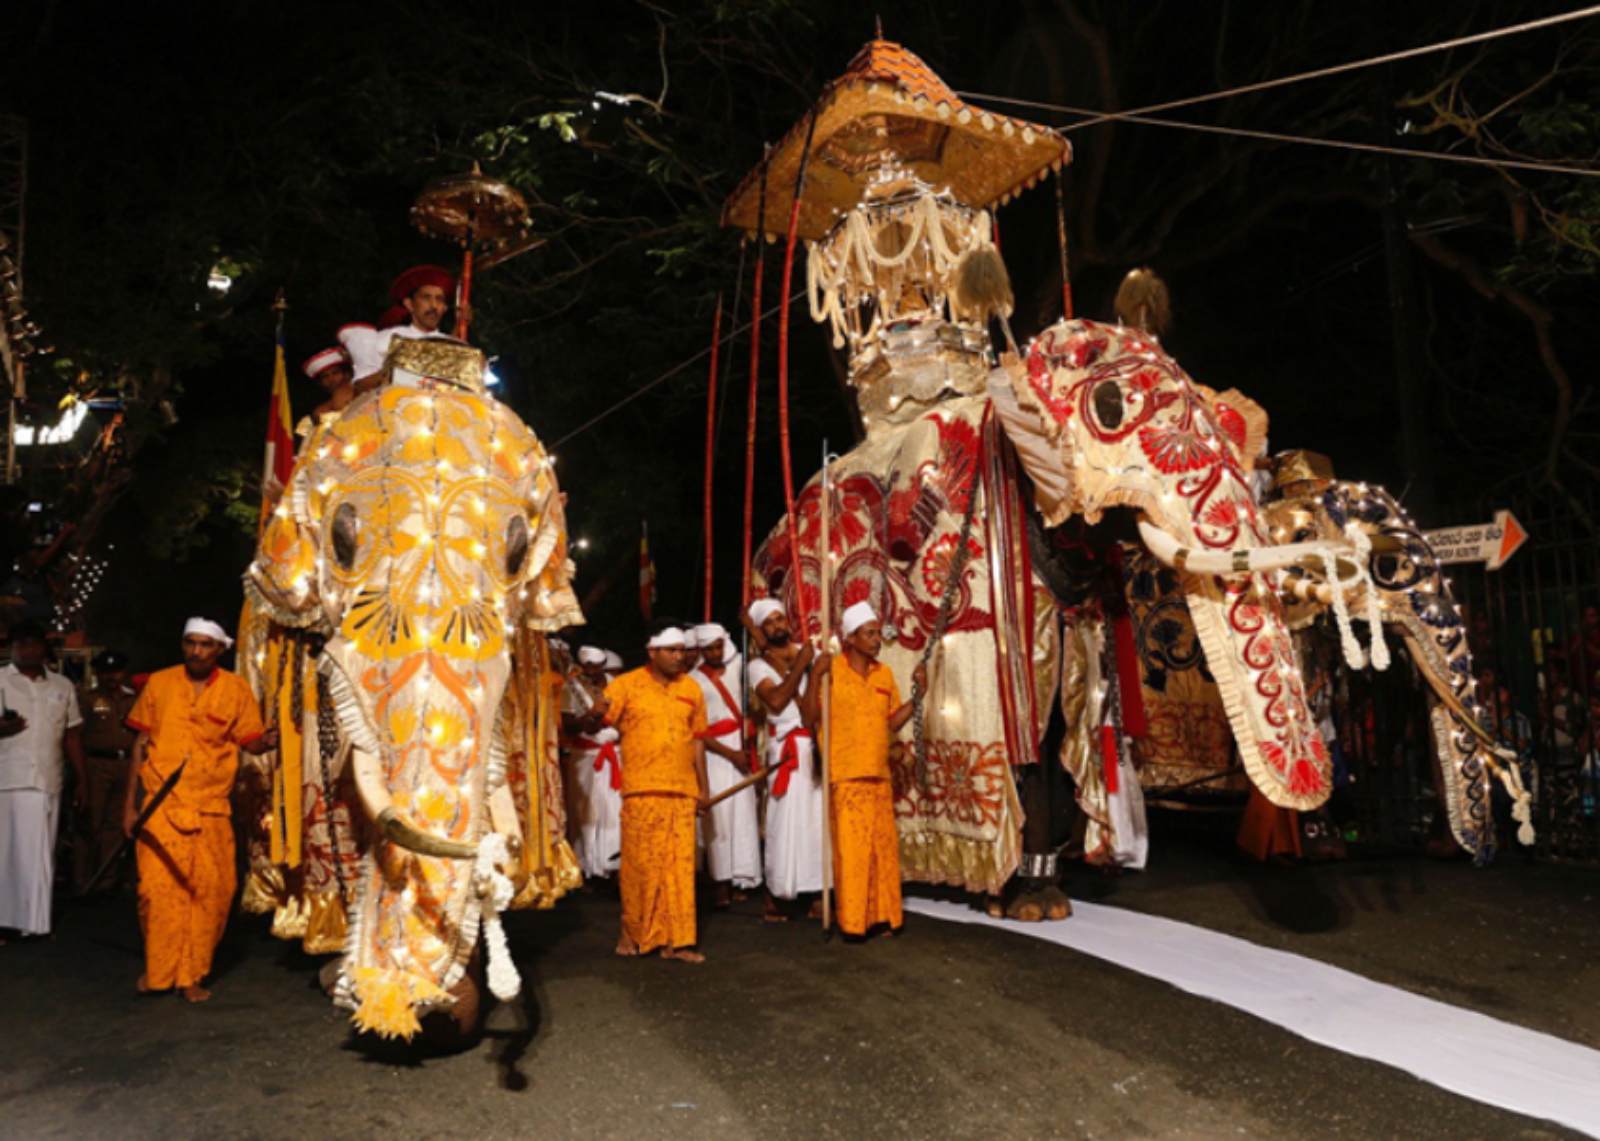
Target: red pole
[(711, 441), (464, 295), (1061, 240), (783, 382), (755, 373)]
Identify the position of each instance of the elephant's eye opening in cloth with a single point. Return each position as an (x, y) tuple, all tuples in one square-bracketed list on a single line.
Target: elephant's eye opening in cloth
[(346, 533), (1108, 404), (516, 544)]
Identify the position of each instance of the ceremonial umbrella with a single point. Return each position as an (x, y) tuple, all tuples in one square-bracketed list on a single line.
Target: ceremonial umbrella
[(486, 217)]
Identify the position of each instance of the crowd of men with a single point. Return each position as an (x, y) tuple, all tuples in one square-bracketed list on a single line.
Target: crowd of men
[(665, 775)]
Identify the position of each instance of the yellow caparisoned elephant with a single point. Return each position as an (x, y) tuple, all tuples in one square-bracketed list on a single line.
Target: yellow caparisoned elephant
[(424, 536)]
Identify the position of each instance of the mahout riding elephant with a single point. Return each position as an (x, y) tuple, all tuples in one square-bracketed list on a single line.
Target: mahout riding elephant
[(423, 537)]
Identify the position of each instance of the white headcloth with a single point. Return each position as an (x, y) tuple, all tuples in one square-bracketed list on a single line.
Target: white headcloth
[(668, 639), (613, 662), (855, 617), (207, 629), (590, 655), (690, 639), (762, 609)]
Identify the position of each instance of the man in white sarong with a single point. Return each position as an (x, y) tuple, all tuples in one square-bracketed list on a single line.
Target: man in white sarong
[(39, 724), (794, 783), (595, 767), (730, 832)]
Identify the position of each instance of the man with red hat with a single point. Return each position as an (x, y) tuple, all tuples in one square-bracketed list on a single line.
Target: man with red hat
[(332, 371), (420, 297)]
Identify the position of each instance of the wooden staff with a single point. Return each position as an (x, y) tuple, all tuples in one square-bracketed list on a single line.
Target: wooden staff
[(826, 575), (734, 789)]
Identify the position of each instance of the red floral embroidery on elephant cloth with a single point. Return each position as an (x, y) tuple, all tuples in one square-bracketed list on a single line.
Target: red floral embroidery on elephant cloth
[(937, 563), (966, 782), (1232, 424), (1176, 450)]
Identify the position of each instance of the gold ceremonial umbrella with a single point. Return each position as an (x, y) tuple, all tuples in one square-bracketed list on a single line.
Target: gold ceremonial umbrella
[(483, 215), (889, 105)]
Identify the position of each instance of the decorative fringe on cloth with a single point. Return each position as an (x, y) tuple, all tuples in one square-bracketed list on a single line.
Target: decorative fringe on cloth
[(318, 920), (884, 248), (387, 1001), (264, 890)]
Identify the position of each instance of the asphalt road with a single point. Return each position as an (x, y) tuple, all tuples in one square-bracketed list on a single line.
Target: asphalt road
[(950, 1031)]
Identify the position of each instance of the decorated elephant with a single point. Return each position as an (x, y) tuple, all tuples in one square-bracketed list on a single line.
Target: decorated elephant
[(423, 537), (981, 512), (1408, 594)]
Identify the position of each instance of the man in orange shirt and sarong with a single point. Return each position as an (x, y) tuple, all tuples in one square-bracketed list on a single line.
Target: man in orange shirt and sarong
[(195, 716), (865, 714), (661, 714)]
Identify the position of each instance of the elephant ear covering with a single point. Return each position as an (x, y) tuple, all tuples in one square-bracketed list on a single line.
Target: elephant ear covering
[(1132, 430)]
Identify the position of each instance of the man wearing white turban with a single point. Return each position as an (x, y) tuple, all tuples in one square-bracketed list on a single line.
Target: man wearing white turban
[(794, 786), (594, 767), (731, 832)]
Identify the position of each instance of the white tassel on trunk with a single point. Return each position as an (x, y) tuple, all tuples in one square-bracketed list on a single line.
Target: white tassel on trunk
[(495, 894)]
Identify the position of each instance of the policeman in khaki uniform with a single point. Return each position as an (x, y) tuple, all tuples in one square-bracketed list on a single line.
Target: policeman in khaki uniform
[(108, 743)]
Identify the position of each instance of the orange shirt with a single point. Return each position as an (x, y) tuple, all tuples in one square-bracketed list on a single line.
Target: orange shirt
[(658, 724), (205, 730), (858, 730)]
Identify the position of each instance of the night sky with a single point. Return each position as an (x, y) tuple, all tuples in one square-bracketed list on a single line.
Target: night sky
[(285, 142)]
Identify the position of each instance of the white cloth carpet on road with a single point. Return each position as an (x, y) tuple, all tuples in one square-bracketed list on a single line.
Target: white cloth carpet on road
[(1459, 1050)]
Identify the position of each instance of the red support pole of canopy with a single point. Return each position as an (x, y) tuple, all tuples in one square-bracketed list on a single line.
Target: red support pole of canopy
[(783, 382), (711, 443), (755, 373)]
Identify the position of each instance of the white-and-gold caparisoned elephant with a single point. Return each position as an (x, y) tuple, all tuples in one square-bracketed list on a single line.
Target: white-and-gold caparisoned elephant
[(424, 535)]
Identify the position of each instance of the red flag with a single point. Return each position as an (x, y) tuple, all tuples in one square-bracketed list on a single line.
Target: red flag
[(647, 575), (279, 462)]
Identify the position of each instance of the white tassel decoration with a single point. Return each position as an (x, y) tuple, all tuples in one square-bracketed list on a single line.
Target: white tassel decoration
[(1363, 544), (497, 892)]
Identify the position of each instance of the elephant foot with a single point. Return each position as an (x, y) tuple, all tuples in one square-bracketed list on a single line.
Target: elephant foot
[(458, 1026), (1030, 901)]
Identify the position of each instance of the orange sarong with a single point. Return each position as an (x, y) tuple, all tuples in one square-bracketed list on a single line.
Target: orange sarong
[(866, 856), (657, 874), (186, 881), (185, 850)]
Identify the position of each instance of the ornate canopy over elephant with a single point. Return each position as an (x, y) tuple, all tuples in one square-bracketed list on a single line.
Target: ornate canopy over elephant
[(423, 535), (930, 514)]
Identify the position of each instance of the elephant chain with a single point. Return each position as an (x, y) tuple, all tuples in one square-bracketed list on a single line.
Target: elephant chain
[(958, 567)]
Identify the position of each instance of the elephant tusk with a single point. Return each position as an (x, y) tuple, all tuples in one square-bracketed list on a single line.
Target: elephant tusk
[(413, 839), (1236, 561), (397, 830)]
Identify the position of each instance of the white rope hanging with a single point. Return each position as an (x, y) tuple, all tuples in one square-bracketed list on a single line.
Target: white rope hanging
[(495, 892)]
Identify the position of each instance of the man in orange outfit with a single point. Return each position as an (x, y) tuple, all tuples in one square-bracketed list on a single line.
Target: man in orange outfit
[(661, 715), (196, 716), (865, 714)]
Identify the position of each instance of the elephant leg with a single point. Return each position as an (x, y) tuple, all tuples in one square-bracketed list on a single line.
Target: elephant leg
[(1034, 893), (458, 1026)]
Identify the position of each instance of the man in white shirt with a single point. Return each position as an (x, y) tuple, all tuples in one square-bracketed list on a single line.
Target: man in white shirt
[(39, 724), (731, 831), (793, 861), (594, 765), (423, 295)]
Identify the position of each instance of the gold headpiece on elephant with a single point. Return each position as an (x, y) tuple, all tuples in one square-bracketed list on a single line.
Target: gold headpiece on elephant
[(1300, 467)]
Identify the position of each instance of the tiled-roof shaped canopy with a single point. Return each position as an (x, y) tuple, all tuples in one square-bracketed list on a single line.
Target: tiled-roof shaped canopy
[(889, 105)]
